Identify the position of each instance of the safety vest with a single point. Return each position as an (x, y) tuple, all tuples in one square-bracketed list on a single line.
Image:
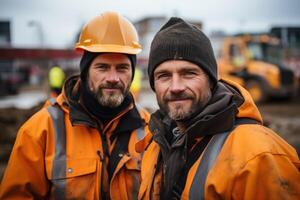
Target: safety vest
[(56, 77)]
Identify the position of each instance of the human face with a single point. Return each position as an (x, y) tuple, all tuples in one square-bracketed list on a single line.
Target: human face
[(109, 78), (182, 88)]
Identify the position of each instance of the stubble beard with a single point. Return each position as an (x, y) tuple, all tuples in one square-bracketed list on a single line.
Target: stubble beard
[(113, 99), (179, 112)]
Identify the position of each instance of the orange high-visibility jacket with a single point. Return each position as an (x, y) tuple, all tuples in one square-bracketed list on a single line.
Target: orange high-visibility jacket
[(253, 163), (47, 163)]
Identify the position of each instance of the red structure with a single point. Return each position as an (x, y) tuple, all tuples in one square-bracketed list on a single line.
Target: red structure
[(38, 53)]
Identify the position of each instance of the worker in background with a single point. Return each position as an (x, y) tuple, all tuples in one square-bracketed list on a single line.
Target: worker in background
[(136, 85), (207, 140), (56, 80), (81, 145)]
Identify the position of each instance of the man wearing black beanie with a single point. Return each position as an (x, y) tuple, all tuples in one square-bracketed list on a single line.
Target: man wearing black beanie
[(207, 141), (81, 145)]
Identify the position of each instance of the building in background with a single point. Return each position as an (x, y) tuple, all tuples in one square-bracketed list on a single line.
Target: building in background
[(9, 78), (5, 33), (28, 66)]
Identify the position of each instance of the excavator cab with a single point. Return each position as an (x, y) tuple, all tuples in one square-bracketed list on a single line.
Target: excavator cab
[(254, 61)]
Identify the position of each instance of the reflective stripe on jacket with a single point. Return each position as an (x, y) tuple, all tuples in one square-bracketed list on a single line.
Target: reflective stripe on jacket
[(55, 160)]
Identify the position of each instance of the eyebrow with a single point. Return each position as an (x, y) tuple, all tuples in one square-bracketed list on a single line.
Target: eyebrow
[(123, 64), (103, 63), (186, 68), (161, 71), (100, 63)]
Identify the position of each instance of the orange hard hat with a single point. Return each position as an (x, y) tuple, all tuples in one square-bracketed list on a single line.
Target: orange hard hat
[(109, 32)]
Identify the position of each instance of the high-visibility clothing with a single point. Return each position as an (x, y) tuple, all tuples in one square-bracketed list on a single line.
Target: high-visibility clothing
[(253, 163), (69, 160), (56, 77)]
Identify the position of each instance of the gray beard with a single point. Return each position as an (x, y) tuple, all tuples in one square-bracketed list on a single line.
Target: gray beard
[(110, 100), (179, 114)]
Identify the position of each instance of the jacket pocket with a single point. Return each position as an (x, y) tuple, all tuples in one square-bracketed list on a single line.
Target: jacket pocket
[(80, 167), (75, 178)]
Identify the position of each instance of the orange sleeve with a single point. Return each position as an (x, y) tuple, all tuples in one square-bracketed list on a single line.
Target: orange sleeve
[(25, 176), (268, 176)]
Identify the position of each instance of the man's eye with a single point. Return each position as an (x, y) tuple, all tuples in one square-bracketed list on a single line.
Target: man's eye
[(161, 76), (190, 73), (102, 67), (123, 68)]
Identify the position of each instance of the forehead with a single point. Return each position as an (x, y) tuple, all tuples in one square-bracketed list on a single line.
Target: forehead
[(112, 58), (177, 65)]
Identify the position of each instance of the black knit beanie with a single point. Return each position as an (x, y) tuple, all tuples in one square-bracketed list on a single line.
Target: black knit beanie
[(179, 40), (88, 57)]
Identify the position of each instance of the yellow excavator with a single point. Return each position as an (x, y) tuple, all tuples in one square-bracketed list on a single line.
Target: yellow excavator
[(255, 62)]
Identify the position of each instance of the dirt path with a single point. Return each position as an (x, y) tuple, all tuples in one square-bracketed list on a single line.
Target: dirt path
[(284, 118)]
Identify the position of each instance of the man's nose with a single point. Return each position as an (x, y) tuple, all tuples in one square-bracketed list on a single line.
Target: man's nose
[(177, 85), (112, 77)]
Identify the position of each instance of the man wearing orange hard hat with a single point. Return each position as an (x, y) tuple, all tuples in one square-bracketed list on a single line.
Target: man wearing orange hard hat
[(81, 145)]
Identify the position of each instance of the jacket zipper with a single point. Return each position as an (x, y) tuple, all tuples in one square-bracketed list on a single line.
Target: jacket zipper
[(101, 193), (105, 150)]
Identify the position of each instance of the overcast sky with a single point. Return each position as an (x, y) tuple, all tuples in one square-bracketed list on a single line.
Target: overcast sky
[(59, 19)]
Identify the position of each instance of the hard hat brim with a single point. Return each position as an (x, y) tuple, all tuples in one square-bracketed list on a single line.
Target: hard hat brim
[(110, 49)]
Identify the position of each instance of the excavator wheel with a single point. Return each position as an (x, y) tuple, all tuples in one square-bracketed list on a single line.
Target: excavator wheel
[(256, 90)]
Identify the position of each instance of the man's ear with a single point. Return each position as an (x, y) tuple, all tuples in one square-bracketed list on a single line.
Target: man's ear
[(211, 83)]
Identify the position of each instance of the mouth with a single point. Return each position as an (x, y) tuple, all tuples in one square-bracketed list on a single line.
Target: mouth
[(177, 101), (111, 90)]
